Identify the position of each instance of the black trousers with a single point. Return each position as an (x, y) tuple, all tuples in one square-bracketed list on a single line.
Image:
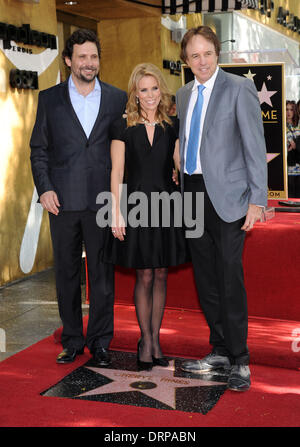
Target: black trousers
[(219, 277), (68, 231)]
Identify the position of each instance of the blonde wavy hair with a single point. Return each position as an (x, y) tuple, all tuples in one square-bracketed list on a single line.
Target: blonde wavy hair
[(133, 110)]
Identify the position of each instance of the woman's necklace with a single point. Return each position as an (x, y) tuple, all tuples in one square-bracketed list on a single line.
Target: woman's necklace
[(147, 123)]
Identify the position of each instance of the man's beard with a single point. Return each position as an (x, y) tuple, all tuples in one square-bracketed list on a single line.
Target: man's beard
[(83, 78)]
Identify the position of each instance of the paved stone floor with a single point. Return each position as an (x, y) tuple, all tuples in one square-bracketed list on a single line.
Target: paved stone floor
[(28, 312)]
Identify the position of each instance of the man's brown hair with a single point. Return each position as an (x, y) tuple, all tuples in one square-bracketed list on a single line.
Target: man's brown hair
[(204, 31)]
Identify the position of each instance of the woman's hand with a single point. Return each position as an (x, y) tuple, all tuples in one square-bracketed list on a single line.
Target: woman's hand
[(118, 227)]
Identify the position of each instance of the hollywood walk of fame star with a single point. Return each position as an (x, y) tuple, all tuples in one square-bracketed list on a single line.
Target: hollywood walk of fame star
[(265, 95), (250, 75), (159, 383)]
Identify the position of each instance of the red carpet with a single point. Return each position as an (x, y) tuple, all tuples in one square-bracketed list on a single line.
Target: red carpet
[(273, 400), (271, 262), (185, 333)]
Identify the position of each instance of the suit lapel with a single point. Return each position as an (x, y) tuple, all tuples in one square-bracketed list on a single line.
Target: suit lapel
[(68, 105), (183, 112), (104, 106), (213, 101), (186, 101)]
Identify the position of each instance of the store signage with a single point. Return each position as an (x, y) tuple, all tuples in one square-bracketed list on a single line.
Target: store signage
[(288, 20), (23, 79), (26, 36)]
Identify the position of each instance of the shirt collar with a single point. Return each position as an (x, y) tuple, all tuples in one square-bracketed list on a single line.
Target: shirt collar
[(209, 83), (73, 86)]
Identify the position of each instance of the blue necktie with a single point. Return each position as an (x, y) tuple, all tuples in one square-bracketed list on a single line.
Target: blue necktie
[(193, 144)]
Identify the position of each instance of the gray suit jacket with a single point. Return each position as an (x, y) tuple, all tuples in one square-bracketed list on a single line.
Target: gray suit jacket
[(233, 151)]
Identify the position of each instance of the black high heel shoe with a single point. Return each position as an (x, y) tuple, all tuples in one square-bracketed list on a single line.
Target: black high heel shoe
[(161, 361), (143, 366)]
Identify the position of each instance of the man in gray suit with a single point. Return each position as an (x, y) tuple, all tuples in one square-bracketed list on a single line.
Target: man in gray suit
[(222, 155)]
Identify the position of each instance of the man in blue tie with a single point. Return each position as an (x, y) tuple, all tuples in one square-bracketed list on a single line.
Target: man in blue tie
[(223, 156), (70, 159), (194, 132)]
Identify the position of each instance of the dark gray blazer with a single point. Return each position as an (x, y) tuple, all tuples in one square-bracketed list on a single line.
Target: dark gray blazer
[(233, 151), (63, 159)]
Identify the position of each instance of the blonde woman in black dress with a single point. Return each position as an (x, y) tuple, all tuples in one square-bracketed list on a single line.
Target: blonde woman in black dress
[(144, 145)]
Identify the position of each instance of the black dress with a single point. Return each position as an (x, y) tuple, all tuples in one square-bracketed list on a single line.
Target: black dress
[(148, 169)]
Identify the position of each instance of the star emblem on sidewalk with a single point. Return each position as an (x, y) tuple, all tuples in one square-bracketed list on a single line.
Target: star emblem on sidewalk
[(159, 383), (162, 388)]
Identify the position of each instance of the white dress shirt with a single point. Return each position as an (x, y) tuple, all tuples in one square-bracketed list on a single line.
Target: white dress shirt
[(206, 96), (86, 107)]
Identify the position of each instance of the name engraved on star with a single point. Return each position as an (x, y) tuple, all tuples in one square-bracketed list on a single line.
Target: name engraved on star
[(133, 376), (180, 381), (162, 379)]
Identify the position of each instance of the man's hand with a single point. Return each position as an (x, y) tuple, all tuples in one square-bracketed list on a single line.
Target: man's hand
[(175, 176), (254, 213), (49, 201)]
